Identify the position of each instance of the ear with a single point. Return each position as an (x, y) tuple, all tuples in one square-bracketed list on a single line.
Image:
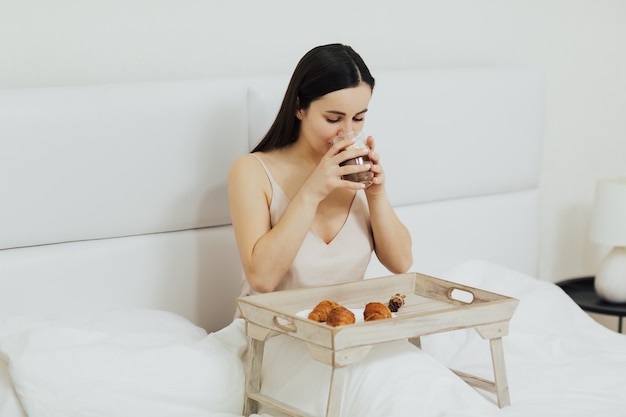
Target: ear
[(298, 109)]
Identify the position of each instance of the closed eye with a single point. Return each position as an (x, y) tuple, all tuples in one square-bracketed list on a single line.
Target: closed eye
[(359, 117)]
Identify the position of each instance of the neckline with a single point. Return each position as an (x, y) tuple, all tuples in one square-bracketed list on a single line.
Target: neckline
[(341, 228), (277, 188)]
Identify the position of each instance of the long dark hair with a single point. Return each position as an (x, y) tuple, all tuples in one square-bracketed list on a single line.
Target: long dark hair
[(322, 70)]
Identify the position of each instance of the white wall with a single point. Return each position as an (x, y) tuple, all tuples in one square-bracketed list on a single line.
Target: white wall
[(579, 44)]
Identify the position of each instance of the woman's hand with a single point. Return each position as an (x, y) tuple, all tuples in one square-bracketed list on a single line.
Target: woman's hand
[(378, 180), (327, 176)]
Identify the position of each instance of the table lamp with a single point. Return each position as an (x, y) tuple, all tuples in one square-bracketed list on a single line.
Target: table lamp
[(608, 227)]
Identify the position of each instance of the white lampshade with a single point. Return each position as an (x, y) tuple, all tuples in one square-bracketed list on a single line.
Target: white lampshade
[(608, 227)]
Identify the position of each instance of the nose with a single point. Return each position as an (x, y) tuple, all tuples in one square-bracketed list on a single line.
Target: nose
[(346, 127)]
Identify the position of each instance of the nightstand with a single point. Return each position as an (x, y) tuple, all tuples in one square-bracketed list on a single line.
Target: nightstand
[(582, 292)]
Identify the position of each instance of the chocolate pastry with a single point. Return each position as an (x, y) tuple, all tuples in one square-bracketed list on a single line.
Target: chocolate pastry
[(396, 302)]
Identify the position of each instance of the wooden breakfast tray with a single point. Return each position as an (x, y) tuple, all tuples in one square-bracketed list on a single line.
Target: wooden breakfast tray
[(432, 305)]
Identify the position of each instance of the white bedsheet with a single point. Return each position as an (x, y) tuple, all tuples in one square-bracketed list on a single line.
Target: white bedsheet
[(559, 362)]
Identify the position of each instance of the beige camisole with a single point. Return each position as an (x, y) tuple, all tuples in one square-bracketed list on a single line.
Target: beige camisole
[(343, 259)]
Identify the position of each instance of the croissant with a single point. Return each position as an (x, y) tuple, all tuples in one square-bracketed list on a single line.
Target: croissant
[(340, 316), (376, 311), (320, 312)]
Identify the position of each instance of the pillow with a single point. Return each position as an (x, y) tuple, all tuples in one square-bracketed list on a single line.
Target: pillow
[(265, 96), (128, 321), (137, 362)]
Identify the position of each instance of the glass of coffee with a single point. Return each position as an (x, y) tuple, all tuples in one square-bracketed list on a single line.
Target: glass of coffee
[(362, 177)]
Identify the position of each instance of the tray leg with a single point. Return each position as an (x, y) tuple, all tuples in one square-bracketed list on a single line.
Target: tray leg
[(257, 336), (494, 332), (499, 372), (416, 341), (253, 375), (337, 380)]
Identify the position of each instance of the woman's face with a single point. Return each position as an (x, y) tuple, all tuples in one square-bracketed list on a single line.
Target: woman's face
[(338, 112)]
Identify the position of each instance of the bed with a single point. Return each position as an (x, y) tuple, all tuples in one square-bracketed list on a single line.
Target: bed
[(119, 271)]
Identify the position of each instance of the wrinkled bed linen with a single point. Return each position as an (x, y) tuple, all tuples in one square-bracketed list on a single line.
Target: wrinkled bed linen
[(127, 363), (559, 361)]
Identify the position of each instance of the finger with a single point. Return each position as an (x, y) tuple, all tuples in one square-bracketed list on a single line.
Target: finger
[(379, 174), (377, 169), (351, 185), (355, 168), (374, 157), (347, 155)]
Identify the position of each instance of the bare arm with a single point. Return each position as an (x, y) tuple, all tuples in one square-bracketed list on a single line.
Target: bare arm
[(392, 240), (266, 253)]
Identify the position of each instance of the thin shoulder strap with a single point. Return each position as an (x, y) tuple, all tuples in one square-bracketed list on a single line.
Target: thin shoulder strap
[(267, 171)]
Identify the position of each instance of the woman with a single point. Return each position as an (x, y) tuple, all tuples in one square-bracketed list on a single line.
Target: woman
[(297, 222)]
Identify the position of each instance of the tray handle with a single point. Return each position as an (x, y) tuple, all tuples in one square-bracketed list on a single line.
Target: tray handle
[(284, 324), (461, 295)]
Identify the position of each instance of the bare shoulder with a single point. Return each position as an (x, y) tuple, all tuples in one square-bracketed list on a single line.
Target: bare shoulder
[(244, 162), (245, 166), (247, 173)]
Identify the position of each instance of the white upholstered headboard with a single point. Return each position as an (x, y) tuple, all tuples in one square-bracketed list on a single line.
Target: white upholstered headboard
[(114, 196)]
